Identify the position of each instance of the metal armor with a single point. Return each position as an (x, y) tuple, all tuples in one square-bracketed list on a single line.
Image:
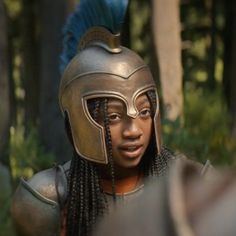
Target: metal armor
[(36, 205)]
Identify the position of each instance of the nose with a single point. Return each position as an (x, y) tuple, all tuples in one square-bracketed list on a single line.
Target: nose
[(132, 129)]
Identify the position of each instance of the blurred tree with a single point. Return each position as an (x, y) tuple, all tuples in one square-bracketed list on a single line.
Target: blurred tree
[(202, 34), (166, 29), (195, 28), (4, 86), (51, 129), (13, 50), (30, 76), (212, 45), (230, 61)]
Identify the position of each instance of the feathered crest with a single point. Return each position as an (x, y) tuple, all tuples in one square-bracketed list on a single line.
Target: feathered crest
[(106, 13)]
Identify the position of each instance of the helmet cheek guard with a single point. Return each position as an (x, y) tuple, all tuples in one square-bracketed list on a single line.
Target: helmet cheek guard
[(88, 136)]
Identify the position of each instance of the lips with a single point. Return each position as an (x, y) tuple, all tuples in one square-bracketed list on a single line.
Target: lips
[(131, 150)]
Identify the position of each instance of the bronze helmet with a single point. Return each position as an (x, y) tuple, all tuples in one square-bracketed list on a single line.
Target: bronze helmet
[(102, 68)]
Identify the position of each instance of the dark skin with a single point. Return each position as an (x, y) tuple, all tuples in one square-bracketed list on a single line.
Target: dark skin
[(130, 139)]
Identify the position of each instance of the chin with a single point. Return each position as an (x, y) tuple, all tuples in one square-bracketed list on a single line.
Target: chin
[(129, 164)]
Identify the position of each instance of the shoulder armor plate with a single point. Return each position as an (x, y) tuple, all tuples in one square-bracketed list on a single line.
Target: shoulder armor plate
[(37, 203)]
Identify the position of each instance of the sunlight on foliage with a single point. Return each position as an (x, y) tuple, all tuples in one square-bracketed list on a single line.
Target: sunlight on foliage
[(201, 76), (14, 7), (140, 23), (198, 48), (26, 154), (219, 69), (205, 134)]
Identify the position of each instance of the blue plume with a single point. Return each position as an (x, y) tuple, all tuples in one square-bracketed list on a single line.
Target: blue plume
[(107, 13)]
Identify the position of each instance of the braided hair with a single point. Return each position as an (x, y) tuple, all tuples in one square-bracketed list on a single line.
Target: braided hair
[(86, 201), (153, 164)]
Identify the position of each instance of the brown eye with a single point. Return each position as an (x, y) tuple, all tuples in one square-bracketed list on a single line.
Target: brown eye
[(145, 113), (114, 117)]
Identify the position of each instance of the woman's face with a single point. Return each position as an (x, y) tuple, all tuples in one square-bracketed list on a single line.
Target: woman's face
[(130, 136)]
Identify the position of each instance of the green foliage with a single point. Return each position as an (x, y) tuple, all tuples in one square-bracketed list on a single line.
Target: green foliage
[(5, 199), (14, 7), (196, 18), (205, 133), (140, 21), (6, 228), (26, 154)]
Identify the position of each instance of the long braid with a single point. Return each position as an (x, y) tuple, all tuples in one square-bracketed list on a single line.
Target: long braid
[(86, 201), (72, 196), (101, 200), (109, 146), (82, 227), (158, 163), (94, 210), (95, 108)]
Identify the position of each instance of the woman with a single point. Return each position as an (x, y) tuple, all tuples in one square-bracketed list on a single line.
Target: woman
[(110, 104)]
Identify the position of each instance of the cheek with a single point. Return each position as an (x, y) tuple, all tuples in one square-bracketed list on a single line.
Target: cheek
[(147, 128), (115, 134), (148, 132)]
